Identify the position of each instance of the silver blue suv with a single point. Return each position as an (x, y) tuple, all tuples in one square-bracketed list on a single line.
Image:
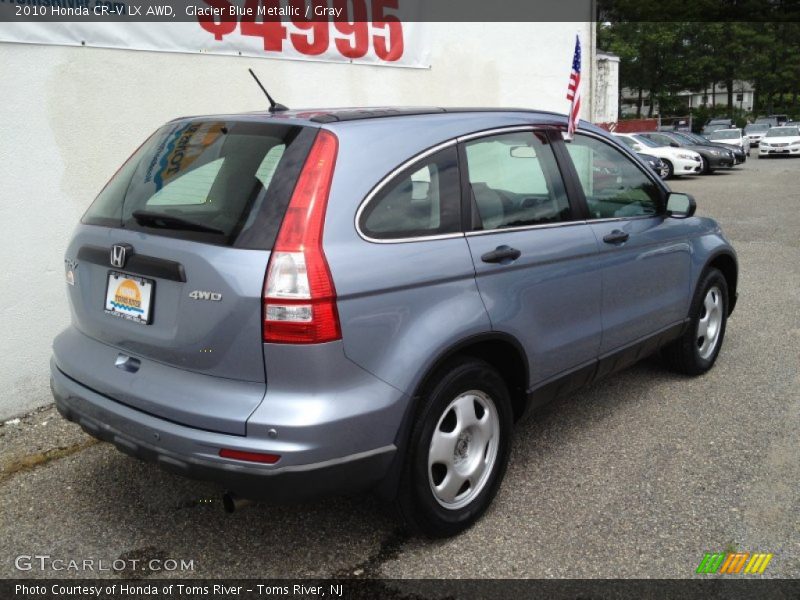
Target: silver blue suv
[(312, 302)]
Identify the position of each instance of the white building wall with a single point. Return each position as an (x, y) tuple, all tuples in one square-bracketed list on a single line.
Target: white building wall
[(606, 89), (71, 115)]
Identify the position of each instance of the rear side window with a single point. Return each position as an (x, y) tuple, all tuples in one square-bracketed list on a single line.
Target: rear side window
[(423, 200), (221, 182)]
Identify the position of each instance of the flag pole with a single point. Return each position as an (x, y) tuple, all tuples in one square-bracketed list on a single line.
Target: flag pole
[(574, 90)]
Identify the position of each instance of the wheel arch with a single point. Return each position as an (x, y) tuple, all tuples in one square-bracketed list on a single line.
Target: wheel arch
[(501, 350), (725, 262)]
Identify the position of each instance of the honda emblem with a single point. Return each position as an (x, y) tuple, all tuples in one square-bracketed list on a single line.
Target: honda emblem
[(119, 254)]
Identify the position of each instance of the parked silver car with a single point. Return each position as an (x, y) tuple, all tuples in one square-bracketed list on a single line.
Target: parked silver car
[(755, 132), (310, 302)]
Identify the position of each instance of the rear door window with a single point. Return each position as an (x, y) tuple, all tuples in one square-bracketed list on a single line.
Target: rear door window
[(207, 180), (514, 181)]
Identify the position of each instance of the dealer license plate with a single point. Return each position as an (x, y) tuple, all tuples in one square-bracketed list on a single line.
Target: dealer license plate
[(129, 297)]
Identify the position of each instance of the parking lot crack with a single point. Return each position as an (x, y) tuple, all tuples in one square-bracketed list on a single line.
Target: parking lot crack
[(38, 459), (369, 571)]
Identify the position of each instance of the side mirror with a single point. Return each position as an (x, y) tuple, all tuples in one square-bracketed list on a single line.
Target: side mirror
[(675, 144), (680, 206)]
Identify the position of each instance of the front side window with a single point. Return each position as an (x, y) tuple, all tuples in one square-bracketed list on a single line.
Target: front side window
[(614, 186), (514, 181), (423, 200)]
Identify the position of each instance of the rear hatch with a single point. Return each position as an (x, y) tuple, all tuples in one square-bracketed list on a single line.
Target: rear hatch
[(168, 264)]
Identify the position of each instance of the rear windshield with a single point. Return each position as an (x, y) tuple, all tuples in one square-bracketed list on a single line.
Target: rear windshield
[(215, 181)]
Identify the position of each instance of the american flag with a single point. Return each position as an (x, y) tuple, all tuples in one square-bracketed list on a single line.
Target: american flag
[(574, 90)]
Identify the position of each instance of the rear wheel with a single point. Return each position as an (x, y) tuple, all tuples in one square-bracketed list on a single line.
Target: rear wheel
[(697, 349), (458, 450)]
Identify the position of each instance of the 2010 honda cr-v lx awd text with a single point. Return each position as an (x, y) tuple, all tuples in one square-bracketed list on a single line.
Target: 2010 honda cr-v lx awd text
[(300, 303)]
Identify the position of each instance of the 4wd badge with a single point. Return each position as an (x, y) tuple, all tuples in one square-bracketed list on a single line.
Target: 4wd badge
[(201, 295)]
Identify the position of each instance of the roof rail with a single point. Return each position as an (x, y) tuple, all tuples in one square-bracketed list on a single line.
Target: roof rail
[(355, 115)]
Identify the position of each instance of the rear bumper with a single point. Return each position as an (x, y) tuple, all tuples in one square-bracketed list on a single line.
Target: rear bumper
[(194, 452)]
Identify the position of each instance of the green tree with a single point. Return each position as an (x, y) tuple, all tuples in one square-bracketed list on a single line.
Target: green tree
[(664, 58)]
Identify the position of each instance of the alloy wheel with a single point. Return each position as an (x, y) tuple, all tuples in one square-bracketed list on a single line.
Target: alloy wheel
[(463, 449), (710, 323)]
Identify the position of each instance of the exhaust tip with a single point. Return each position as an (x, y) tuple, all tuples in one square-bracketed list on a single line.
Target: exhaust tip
[(231, 502)]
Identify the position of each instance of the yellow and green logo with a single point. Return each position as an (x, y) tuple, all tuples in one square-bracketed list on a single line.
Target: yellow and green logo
[(733, 563)]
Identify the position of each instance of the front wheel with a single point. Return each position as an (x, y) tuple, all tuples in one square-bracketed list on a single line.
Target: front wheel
[(697, 349), (668, 170), (705, 168), (458, 450)]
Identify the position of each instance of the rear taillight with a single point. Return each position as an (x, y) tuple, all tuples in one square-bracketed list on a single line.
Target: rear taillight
[(299, 297)]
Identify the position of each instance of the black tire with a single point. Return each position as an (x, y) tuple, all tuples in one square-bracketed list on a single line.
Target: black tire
[(670, 169), (685, 354), (705, 168), (417, 505)]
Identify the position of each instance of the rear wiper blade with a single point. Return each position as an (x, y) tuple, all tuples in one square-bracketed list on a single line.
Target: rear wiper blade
[(163, 221)]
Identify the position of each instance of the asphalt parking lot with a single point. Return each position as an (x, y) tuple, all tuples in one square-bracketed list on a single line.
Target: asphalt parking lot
[(637, 476)]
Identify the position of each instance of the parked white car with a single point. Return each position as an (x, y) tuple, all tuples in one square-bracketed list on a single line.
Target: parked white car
[(679, 161), (756, 131), (731, 137), (779, 141)]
